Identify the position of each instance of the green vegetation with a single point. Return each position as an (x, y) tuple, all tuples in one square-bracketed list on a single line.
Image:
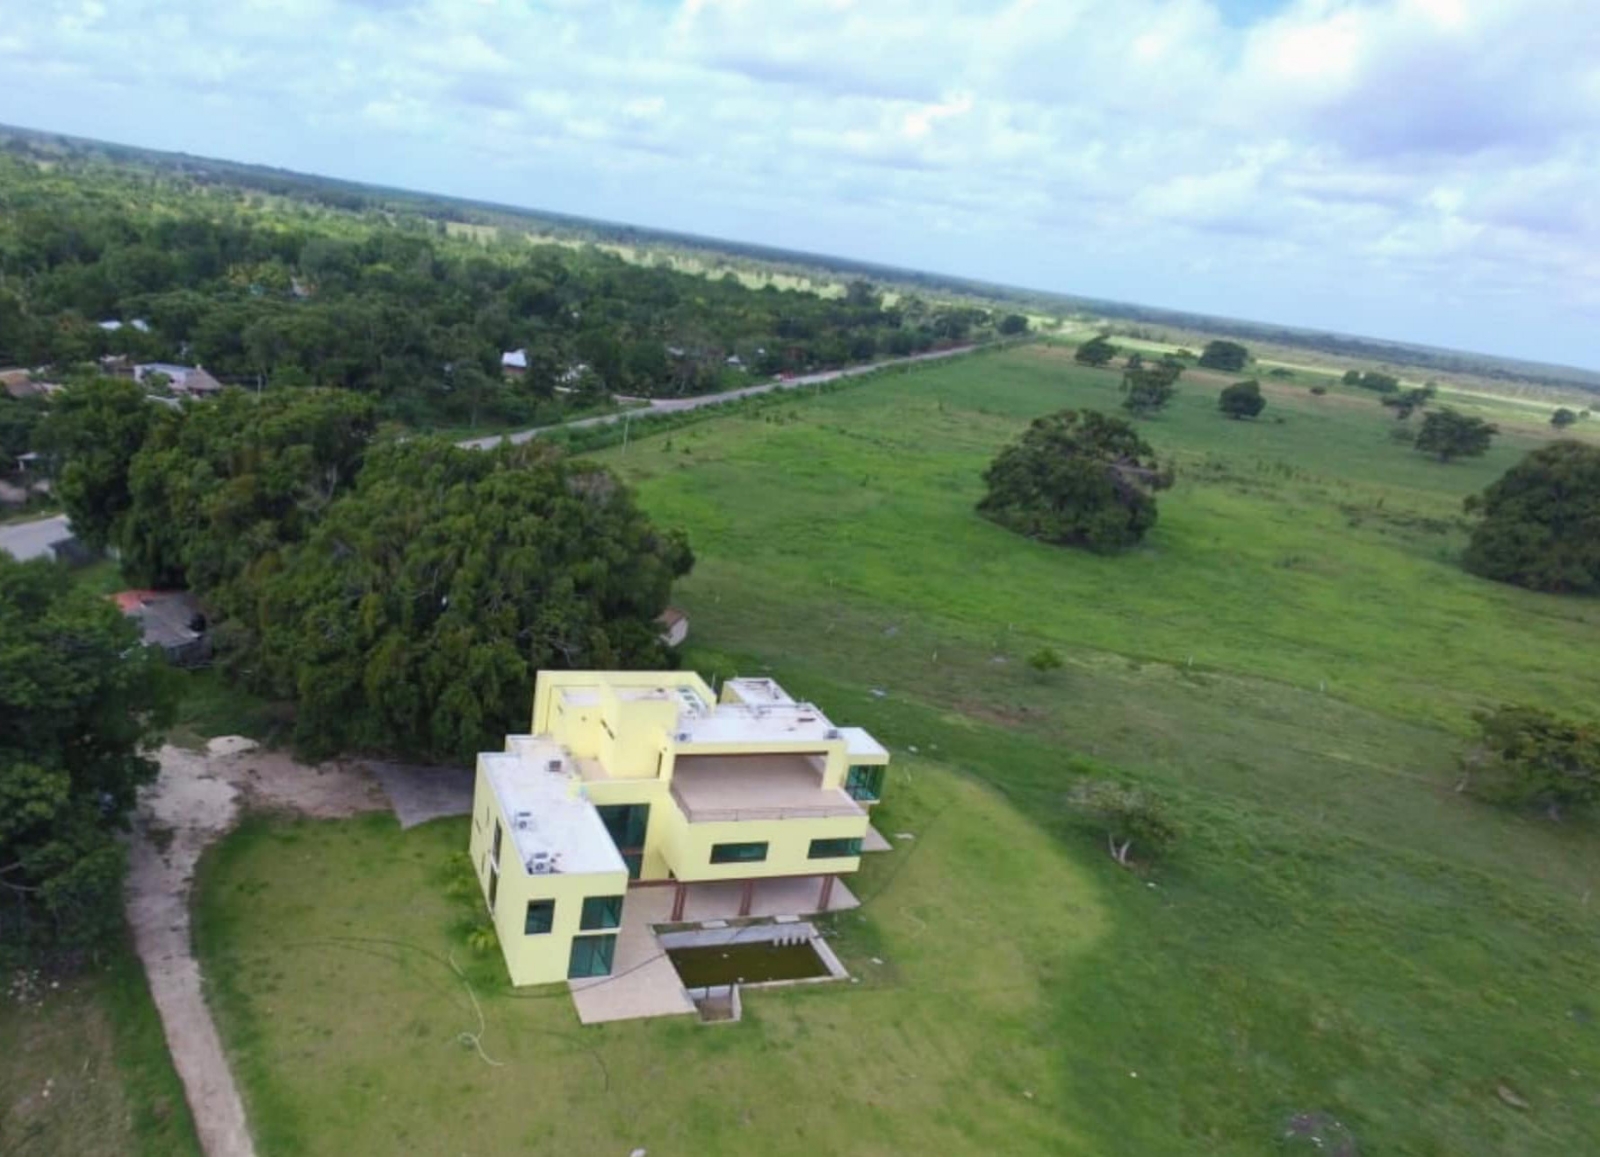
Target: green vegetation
[(1289, 662), (80, 705), (1228, 356), (1562, 418), (1135, 820), (1372, 380), (1146, 389), (1539, 525), (84, 1068), (1449, 434), (1077, 478), (156, 264), (1242, 399), (1097, 351), (1530, 758)]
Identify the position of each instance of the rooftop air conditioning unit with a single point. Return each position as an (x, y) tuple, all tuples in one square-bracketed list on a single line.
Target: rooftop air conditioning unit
[(539, 863), (523, 821), (833, 733), (553, 766), (682, 737)]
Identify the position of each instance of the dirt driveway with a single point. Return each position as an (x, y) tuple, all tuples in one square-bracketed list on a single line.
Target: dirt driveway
[(196, 799)]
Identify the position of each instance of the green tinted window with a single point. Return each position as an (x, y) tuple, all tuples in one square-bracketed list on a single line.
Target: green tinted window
[(864, 781), (541, 917), (591, 956), (738, 853), (601, 912), (833, 849)]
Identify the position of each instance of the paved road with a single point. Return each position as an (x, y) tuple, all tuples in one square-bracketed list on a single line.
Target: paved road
[(25, 540), (672, 405)]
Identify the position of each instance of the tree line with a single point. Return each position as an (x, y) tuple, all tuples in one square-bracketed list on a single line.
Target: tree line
[(266, 292)]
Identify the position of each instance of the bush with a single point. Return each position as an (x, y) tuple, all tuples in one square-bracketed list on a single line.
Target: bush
[(1318, 391), (1135, 820), (1097, 351), (1527, 757), (1227, 356), (1045, 660)]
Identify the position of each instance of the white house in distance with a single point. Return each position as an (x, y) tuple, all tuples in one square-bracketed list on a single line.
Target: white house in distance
[(514, 363), (192, 381)]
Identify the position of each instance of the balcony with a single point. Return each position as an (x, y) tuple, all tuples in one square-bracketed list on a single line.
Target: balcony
[(735, 788)]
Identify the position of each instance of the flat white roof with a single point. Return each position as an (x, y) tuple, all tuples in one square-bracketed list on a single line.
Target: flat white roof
[(859, 745), (765, 691), (545, 822), (745, 723)]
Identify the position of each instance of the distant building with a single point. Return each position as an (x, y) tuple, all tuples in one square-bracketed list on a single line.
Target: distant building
[(189, 381), (573, 373), (112, 325), (674, 626), (19, 383), (514, 363), (171, 620)]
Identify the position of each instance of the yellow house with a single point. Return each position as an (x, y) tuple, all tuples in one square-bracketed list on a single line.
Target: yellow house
[(649, 777)]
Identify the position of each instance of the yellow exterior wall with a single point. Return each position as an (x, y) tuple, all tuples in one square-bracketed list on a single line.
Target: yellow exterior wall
[(686, 847), (541, 958)]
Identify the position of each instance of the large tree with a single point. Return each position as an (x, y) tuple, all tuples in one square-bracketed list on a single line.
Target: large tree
[(1242, 399), (220, 486), (1228, 356), (1448, 434), (1097, 351), (81, 704), (1078, 478), (1539, 525), (1563, 418), (414, 617), (95, 428), (1148, 387)]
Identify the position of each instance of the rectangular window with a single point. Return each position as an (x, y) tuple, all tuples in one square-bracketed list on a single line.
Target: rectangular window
[(833, 849), (627, 824), (865, 782), (738, 853), (494, 883), (591, 956), (541, 917), (496, 856), (601, 912)]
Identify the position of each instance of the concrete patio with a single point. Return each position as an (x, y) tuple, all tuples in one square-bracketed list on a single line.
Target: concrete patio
[(643, 982)]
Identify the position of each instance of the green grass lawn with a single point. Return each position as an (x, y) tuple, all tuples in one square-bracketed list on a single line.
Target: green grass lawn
[(1291, 658), (94, 1042)]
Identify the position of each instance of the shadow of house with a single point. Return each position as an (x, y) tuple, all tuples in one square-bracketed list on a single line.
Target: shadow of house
[(171, 620)]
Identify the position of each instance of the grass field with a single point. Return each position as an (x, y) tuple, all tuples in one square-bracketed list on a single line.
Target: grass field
[(1291, 658), (84, 1069)]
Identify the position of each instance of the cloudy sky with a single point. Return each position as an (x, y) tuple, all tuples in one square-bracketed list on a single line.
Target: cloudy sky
[(1416, 169)]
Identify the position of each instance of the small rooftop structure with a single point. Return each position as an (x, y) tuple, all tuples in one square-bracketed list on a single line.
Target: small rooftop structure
[(514, 361), (674, 626), (171, 620), (191, 380), (555, 829)]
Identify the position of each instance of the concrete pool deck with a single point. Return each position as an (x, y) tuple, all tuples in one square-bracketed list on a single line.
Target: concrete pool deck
[(643, 982)]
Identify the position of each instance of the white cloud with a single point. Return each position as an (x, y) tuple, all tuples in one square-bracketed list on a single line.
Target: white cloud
[(1093, 146)]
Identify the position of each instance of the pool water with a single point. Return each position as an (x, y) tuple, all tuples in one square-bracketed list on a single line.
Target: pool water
[(750, 963)]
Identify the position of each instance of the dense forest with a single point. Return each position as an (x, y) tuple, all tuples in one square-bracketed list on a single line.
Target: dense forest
[(269, 288)]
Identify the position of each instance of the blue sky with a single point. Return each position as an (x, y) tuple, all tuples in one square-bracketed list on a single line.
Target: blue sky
[(1417, 169)]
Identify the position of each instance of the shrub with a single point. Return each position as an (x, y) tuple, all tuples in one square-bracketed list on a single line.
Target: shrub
[(1527, 757), (1045, 660), (1135, 820), (1242, 400)]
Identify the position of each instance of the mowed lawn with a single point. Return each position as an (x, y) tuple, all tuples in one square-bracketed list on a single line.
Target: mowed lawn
[(1291, 659)]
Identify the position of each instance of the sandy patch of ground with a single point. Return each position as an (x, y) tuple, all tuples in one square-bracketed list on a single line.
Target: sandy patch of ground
[(197, 798)]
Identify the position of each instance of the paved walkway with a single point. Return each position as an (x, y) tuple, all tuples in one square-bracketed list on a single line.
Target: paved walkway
[(419, 793), (673, 405), (195, 800)]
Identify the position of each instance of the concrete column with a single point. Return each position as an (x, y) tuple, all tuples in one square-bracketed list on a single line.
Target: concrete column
[(827, 893), (747, 897), (680, 893)]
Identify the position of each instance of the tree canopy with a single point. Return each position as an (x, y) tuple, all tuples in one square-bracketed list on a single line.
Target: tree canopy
[(1228, 356), (1076, 478), (1097, 351), (1372, 380), (415, 615), (81, 703), (94, 429), (1242, 399), (1012, 324), (1148, 386), (1563, 418), (1448, 434), (1539, 525), (1406, 403)]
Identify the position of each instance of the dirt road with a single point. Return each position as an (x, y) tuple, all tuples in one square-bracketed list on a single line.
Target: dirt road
[(196, 799)]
